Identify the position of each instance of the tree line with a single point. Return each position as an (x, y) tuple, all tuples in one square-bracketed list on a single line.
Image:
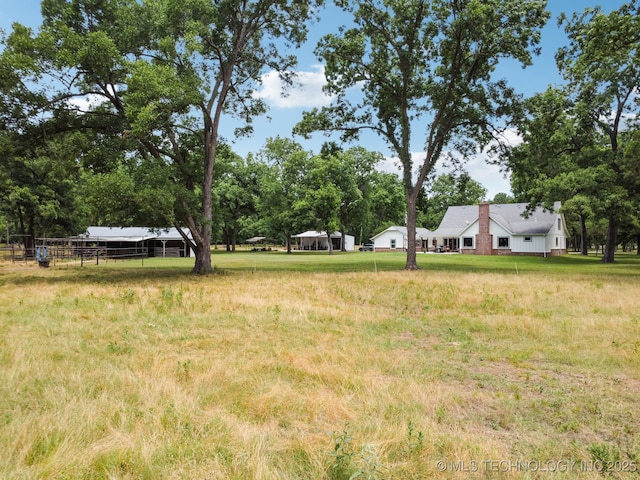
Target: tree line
[(112, 111)]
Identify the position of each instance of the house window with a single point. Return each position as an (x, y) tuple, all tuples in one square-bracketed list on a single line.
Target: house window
[(503, 242), (467, 242), (559, 224), (556, 241), (527, 239), (393, 243)]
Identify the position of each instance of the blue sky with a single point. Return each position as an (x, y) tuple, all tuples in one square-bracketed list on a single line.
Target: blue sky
[(285, 112)]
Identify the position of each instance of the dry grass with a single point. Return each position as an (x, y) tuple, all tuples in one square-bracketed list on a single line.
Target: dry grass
[(263, 376)]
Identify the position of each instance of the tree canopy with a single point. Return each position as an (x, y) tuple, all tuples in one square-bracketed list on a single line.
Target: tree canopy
[(166, 73), (425, 66), (577, 139), (111, 113), (448, 190)]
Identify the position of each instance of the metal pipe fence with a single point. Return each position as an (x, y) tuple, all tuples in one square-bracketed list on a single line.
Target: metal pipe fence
[(73, 253)]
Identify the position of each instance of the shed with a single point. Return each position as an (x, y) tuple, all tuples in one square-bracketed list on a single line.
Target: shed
[(395, 239), (314, 240), (155, 242)]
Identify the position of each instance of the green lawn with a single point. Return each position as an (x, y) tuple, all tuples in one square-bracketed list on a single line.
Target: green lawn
[(626, 263)]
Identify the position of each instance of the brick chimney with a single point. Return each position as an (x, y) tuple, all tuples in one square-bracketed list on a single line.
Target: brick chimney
[(484, 239)]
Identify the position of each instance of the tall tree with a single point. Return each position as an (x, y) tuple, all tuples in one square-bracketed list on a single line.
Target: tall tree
[(235, 193), (502, 197), (601, 65), (38, 155), (631, 156), (559, 159), (281, 185), (425, 63), (322, 197), (38, 180), (170, 70), (351, 172), (386, 204), (450, 189)]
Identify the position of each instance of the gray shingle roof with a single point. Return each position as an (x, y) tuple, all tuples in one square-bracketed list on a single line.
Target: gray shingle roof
[(509, 215)]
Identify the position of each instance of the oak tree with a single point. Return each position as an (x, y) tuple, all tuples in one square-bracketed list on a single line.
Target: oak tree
[(171, 72), (600, 64), (424, 66)]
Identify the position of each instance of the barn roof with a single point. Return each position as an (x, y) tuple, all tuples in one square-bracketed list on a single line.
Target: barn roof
[(132, 234), (315, 234)]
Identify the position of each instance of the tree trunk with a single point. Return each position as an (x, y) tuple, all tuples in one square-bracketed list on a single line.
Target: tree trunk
[(343, 247), (202, 247), (330, 243), (203, 239), (288, 240), (608, 255), (637, 242), (226, 238), (203, 258), (411, 231), (583, 236)]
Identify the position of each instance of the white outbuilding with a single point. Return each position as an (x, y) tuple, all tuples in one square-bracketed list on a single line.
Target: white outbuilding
[(313, 240), (395, 239)]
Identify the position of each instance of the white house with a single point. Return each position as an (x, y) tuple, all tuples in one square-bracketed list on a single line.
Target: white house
[(312, 240), (394, 239), (502, 229)]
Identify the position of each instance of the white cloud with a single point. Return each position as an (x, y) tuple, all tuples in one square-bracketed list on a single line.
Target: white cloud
[(86, 103), (306, 91), (478, 167), (509, 137), (488, 175)]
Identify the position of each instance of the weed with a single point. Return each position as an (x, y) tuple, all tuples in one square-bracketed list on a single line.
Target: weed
[(440, 413), (368, 463), (446, 295), (603, 456), (571, 426), (492, 303), (349, 465), (171, 298), (127, 296), (118, 348), (42, 447), (415, 438), (342, 454), (516, 393), (184, 369)]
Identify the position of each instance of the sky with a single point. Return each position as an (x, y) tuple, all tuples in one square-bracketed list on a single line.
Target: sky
[(285, 112)]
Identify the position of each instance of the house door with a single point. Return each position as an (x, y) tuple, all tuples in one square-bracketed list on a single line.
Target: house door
[(451, 244)]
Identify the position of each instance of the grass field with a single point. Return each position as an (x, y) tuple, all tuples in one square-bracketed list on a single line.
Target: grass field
[(315, 367)]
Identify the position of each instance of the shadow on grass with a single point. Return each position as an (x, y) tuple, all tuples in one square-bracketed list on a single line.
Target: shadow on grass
[(95, 275), (153, 270)]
